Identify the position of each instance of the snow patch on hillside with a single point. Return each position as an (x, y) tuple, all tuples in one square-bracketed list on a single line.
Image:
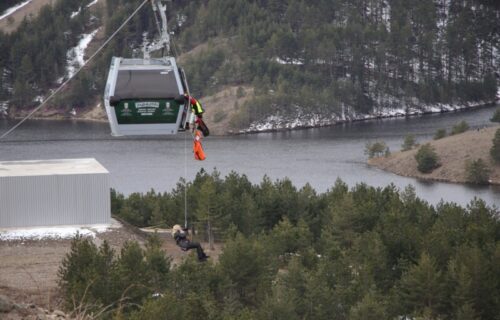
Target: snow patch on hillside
[(181, 19), (75, 56), (92, 3), (389, 107), (4, 108), (296, 62), (11, 10), (75, 13), (63, 232)]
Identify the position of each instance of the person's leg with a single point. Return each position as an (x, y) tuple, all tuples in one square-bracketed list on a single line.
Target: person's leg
[(199, 249)]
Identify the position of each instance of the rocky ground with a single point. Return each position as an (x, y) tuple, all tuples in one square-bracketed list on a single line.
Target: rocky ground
[(10, 310), (28, 270), (453, 152)]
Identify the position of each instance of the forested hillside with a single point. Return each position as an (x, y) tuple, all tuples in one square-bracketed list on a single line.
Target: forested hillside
[(327, 57), (360, 254)]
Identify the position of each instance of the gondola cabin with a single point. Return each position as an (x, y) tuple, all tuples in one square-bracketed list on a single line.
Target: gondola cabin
[(145, 96)]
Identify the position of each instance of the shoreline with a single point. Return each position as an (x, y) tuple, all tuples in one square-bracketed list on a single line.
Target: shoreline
[(333, 122), (433, 179), (369, 117), (454, 153), (58, 119)]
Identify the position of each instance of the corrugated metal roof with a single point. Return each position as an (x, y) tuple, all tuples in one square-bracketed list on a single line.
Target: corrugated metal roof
[(50, 167)]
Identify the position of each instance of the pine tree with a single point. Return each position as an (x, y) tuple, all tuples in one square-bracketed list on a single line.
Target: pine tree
[(440, 134), (369, 308), (408, 143), (496, 116), (23, 84), (477, 171), (423, 288), (375, 149), (427, 158), (495, 149), (460, 127), (207, 208), (158, 264)]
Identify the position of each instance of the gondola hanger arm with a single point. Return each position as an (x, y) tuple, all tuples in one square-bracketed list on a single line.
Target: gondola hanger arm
[(159, 9)]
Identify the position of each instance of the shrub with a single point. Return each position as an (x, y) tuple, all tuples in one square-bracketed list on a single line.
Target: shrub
[(440, 134), (460, 127), (427, 159), (240, 92), (387, 152), (85, 272), (97, 278), (376, 149), (408, 143), (477, 171), (496, 116), (495, 150)]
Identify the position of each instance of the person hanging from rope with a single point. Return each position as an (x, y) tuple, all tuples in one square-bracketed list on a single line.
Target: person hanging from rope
[(199, 154), (181, 238), (196, 106), (197, 112)]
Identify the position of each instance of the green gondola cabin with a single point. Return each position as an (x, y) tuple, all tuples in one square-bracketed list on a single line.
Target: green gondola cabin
[(145, 96)]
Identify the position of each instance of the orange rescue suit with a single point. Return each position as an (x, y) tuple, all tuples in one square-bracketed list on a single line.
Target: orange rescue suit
[(199, 154)]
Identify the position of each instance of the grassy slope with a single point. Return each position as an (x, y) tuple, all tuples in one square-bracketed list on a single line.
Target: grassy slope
[(453, 152), (30, 9)]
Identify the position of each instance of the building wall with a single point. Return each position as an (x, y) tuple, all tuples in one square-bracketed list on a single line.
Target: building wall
[(49, 200)]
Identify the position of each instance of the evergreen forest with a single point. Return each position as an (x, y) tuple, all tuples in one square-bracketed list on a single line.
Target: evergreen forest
[(361, 253), (319, 56)]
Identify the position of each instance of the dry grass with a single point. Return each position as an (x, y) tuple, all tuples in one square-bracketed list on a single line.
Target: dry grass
[(28, 269), (453, 152), (28, 11), (222, 106)]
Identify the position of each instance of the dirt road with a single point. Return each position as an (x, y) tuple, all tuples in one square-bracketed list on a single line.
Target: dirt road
[(28, 269)]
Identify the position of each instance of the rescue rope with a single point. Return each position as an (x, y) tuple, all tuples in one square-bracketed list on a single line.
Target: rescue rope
[(74, 75), (188, 109), (185, 150), (185, 181)]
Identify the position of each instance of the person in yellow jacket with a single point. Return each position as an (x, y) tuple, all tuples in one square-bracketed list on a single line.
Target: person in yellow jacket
[(197, 114), (196, 106)]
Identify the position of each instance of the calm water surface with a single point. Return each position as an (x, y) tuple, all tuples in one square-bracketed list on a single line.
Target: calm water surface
[(314, 156)]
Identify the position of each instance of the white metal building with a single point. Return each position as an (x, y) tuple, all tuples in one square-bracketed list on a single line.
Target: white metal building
[(54, 192)]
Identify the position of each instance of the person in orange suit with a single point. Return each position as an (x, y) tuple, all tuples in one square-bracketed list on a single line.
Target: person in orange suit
[(199, 154)]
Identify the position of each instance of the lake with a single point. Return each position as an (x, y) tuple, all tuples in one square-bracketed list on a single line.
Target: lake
[(316, 156)]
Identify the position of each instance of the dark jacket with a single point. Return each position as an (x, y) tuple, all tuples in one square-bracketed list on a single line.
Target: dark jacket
[(181, 238)]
